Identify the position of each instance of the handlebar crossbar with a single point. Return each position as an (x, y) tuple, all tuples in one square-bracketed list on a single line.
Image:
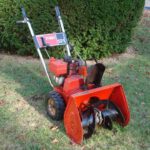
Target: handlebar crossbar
[(58, 38)]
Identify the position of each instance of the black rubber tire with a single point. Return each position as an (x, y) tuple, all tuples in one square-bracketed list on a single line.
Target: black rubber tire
[(57, 104)]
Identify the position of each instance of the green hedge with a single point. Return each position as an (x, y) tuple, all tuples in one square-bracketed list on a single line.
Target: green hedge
[(96, 28), (16, 38)]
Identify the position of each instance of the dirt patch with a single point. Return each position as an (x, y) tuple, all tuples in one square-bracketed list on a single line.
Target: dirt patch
[(20, 59), (146, 14), (115, 58), (38, 97), (146, 18)]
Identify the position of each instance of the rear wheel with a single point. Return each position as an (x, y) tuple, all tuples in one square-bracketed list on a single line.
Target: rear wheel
[(55, 106)]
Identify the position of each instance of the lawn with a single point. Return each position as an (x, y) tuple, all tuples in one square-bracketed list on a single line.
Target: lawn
[(24, 123)]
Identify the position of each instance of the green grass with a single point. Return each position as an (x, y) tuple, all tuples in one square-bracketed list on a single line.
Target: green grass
[(23, 120)]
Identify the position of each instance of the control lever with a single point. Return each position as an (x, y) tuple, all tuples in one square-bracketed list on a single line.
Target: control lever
[(44, 43)]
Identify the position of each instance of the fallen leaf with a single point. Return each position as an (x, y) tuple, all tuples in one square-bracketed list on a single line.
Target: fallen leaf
[(55, 141), (37, 97), (2, 103), (53, 128), (147, 73), (21, 137), (42, 73), (143, 103), (131, 66), (116, 77), (110, 70), (72, 143), (83, 148)]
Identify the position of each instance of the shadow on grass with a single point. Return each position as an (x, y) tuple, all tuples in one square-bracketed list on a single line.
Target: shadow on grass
[(31, 84)]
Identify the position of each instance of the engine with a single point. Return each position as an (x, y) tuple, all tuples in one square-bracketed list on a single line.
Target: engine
[(58, 69)]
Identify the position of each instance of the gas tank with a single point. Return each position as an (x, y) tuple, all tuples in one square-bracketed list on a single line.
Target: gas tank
[(73, 83), (57, 66)]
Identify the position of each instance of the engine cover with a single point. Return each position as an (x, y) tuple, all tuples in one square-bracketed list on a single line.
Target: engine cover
[(73, 83), (57, 66)]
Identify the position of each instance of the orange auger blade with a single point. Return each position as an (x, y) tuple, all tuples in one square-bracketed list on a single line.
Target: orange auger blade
[(72, 119)]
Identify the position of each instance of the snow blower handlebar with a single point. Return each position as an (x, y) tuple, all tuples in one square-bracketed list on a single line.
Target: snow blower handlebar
[(78, 96), (27, 21), (24, 16), (61, 24)]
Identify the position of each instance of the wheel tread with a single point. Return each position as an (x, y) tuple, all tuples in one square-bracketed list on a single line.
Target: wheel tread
[(59, 103)]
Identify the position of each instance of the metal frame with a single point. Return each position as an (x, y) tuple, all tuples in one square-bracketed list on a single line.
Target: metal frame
[(26, 20), (62, 28)]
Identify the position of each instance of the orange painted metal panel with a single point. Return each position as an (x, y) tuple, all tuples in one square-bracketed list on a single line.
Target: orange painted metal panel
[(72, 120)]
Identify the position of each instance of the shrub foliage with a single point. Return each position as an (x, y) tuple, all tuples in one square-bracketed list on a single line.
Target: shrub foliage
[(96, 28)]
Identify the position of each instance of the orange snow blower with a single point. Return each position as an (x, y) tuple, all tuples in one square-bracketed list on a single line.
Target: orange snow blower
[(78, 96)]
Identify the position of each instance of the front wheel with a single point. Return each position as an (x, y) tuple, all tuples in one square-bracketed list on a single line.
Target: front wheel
[(55, 106)]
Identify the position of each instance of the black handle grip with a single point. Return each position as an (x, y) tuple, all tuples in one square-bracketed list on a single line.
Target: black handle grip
[(20, 21), (57, 11)]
